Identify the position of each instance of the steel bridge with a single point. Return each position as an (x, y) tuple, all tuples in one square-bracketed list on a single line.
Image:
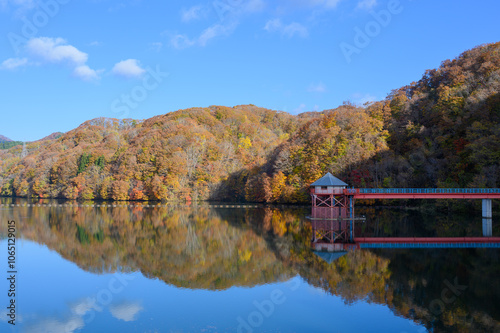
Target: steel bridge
[(407, 243), (426, 242), (333, 217), (346, 197), (423, 193)]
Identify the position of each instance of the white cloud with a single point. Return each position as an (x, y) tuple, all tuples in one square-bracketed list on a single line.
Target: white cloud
[(287, 30), (129, 68), (157, 46), (14, 63), (83, 306), (55, 50), (328, 4), (295, 28), (95, 43), (331, 3), (22, 6), (4, 316), (120, 5), (317, 87), (215, 31), (301, 108), (230, 14), (252, 6), (234, 10), (86, 73), (273, 25), (43, 50), (180, 41), (125, 311), (361, 99), (366, 4), (55, 326), (192, 13)]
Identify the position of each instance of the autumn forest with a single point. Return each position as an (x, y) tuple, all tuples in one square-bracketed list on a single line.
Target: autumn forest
[(440, 131)]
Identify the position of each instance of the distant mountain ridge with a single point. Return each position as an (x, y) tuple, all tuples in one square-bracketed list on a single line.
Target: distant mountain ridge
[(4, 139), (52, 136), (6, 143)]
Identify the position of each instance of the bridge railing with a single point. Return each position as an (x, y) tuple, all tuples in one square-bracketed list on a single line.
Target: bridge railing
[(421, 191)]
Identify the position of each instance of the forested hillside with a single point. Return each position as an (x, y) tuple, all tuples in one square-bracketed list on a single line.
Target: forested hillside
[(442, 131), (6, 143), (9, 144)]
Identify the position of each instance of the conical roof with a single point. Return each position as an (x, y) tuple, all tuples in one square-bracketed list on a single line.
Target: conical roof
[(330, 257), (328, 180)]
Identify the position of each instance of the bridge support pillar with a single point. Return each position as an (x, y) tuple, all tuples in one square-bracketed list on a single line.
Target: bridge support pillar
[(487, 228), (487, 209)]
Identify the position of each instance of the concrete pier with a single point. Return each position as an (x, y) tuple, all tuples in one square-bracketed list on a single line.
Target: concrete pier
[(487, 209)]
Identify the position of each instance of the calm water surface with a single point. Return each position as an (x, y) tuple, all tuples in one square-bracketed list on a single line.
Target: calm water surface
[(206, 269)]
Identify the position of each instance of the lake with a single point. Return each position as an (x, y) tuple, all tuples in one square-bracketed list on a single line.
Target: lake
[(239, 268)]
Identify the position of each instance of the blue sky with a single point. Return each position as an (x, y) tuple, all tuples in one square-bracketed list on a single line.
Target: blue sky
[(63, 62)]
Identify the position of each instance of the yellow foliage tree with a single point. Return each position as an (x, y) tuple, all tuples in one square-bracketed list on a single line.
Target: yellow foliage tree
[(278, 182)]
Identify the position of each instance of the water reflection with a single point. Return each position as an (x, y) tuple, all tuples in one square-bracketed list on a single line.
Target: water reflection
[(487, 227), (126, 311), (208, 248), (82, 312), (52, 325)]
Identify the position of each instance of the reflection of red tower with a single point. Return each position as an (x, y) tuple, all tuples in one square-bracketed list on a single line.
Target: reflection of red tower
[(329, 212), (332, 214), (332, 229), (329, 226)]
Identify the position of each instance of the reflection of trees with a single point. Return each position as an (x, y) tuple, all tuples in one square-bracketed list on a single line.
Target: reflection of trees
[(208, 248), (192, 242), (186, 247), (421, 279), (408, 281)]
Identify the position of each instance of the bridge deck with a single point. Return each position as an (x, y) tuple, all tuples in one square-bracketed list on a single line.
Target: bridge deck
[(426, 239), (424, 193), (427, 242)]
